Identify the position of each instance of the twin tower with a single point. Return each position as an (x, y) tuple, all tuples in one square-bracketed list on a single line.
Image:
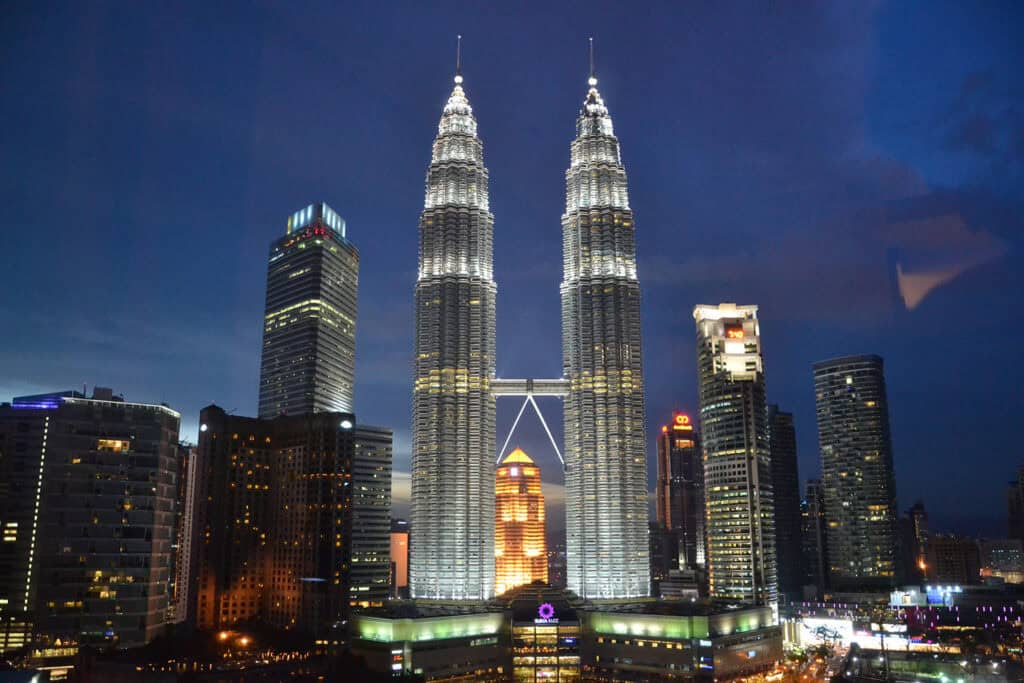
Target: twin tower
[(454, 392)]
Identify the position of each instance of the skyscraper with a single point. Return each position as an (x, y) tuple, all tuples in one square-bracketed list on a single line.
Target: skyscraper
[(680, 493), (309, 330), (294, 503), (605, 450), (453, 432), (91, 526), (857, 471), (737, 457), (184, 539), (786, 492), (520, 549), (815, 552), (371, 515)]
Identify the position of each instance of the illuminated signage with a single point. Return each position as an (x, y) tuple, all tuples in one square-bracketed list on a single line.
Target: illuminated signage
[(681, 423), (546, 614), (734, 332)]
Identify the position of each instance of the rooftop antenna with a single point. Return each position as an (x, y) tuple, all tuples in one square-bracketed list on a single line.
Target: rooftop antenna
[(593, 79), (458, 59)]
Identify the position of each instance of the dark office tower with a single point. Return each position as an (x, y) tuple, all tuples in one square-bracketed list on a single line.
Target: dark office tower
[(737, 459), (234, 519), (813, 532), (680, 494), (914, 542), (276, 526), (453, 441), (309, 330), (786, 489), (664, 553), (91, 521), (953, 559), (1015, 506), (857, 472), (183, 533), (605, 450), (371, 516)]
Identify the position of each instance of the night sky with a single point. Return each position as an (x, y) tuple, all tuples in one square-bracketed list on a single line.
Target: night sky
[(854, 170)]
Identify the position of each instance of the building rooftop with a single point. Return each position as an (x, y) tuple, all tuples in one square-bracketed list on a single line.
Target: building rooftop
[(517, 455)]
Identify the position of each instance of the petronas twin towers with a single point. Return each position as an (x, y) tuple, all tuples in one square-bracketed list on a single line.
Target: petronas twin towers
[(454, 392)]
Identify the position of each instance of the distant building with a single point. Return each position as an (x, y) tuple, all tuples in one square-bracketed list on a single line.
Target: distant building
[(953, 559), (309, 328), (371, 516), (184, 535), (279, 530), (680, 489), (857, 472), (1002, 558), (1015, 506), (914, 542), (786, 491), (664, 552), (88, 516), (737, 458), (557, 564), (520, 546), (399, 558), (813, 531)]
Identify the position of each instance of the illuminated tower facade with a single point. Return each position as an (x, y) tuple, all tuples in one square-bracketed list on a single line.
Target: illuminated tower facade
[(309, 329), (453, 435), (606, 463), (520, 552), (857, 473), (737, 457), (680, 492)]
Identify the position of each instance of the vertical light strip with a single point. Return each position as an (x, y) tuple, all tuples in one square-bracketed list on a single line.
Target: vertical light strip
[(35, 513)]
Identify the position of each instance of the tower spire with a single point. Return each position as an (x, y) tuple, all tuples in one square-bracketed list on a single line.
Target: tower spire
[(592, 81), (458, 59)]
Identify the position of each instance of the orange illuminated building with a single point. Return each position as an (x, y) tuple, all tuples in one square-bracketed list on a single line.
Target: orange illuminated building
[(520, 552)]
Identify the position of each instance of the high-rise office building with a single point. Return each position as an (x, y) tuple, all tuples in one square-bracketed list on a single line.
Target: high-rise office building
[(605, 449), (737, 458), (89, 524), (184, 534), (786, 493), (291, 502), (953, 559), (399, 558), (813, 533), (520, 548), (680, 492), (309, 329), (453, 431), (857, 471), (371, 516)]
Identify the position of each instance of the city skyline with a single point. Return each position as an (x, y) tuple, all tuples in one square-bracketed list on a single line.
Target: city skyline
[(214, 362)]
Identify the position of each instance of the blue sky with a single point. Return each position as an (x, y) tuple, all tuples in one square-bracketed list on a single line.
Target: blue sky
[(852, 168)]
